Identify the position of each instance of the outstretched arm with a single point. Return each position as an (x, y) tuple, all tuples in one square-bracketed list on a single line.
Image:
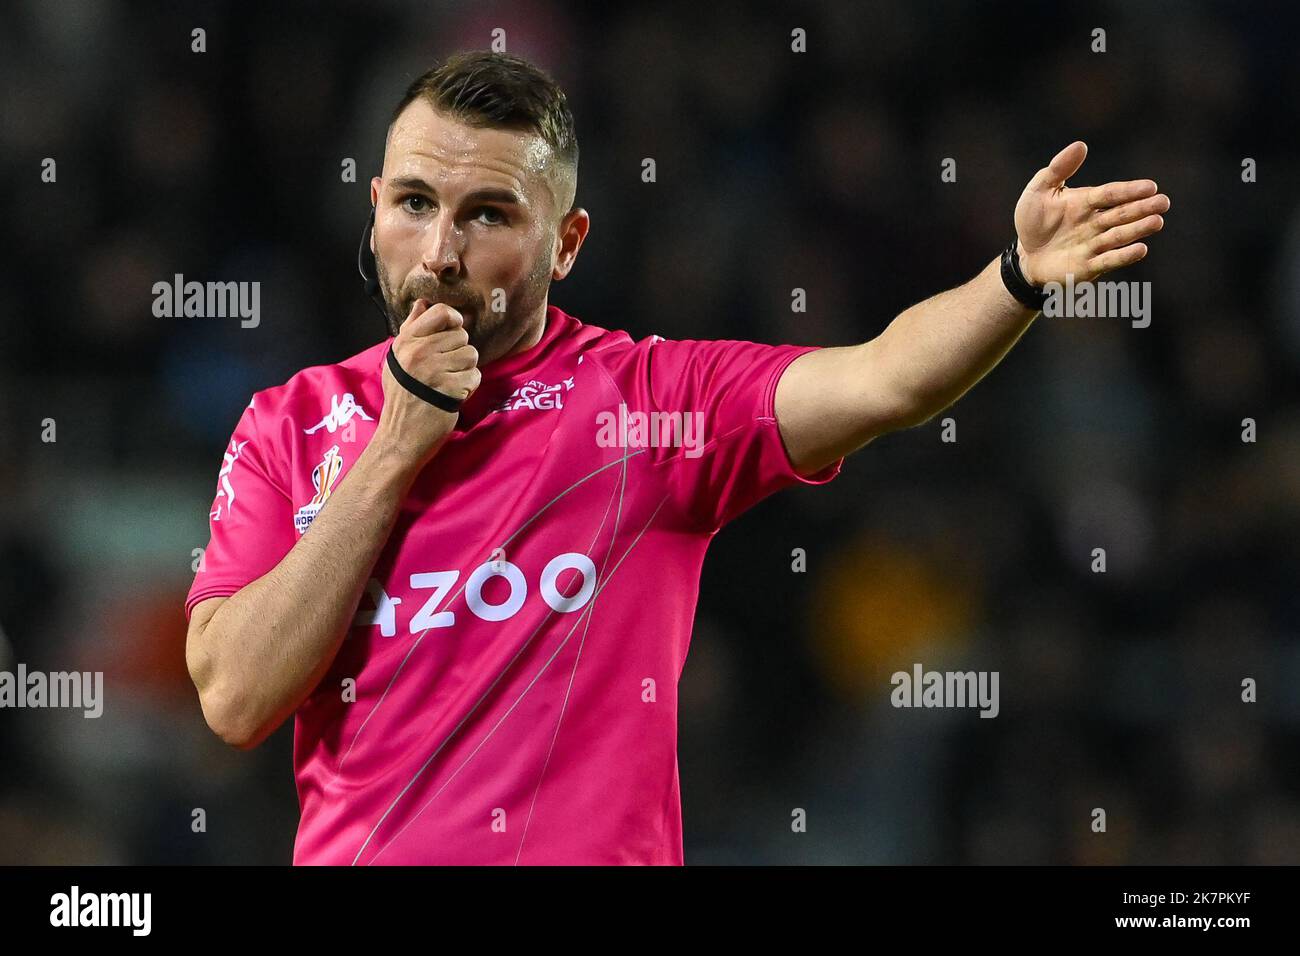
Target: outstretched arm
[(833, 401)]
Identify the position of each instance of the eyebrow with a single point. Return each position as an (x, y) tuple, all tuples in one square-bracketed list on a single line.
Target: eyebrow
[(487, 194)]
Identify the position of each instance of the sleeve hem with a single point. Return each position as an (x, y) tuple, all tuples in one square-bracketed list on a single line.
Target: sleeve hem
[(769, 414), (209, 591)]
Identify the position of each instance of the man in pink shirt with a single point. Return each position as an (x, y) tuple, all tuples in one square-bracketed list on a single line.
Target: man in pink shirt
[(466, 560)]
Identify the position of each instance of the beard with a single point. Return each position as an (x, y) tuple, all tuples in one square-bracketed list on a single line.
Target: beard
[(493, 334)]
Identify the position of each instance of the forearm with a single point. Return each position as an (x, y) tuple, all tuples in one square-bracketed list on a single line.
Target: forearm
[(833, 401), (932, 353), (271, 643)]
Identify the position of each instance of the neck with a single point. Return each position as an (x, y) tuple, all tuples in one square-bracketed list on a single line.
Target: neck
[(531, 335)]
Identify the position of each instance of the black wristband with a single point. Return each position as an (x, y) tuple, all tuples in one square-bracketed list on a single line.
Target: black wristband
[(1030, 296), (418, 388)]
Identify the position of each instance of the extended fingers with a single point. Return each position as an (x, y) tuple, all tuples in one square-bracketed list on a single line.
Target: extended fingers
[(1112, 194), (1129, 232), (1130, 212), (1117, 258)]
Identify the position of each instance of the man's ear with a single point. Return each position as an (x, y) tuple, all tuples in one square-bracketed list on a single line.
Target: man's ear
[(568, 240), (375, 184)]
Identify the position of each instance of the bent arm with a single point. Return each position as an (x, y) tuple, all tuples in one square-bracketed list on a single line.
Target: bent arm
[(256, 655)]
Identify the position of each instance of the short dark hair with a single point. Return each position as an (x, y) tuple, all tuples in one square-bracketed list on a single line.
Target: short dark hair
[(496, 90)]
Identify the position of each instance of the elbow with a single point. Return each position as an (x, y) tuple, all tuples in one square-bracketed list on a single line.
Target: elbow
[(901, 414), (236, 730), (230, 717), (885, 404), (916, 416), (900, 396), (907, 410), (228, 713)]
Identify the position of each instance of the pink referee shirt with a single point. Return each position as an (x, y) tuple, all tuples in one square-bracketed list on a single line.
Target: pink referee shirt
[(507, 693)]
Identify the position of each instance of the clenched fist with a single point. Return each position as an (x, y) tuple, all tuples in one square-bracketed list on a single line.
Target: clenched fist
[(433, 347)]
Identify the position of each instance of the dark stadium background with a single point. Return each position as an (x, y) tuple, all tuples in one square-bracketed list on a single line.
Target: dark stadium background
[(776, 170)]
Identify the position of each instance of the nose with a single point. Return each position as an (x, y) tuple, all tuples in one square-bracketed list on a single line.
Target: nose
[(446, 242)]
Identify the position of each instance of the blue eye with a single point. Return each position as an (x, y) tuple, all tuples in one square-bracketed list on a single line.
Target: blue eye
[(495, 212)]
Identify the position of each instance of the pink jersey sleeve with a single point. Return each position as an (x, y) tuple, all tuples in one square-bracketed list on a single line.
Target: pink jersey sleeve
[(733, 385), (250, 522)]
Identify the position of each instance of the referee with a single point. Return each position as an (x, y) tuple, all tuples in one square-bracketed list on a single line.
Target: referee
[(466, 560)]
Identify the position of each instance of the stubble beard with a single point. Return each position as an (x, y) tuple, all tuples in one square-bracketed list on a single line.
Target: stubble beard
[(493, 334)]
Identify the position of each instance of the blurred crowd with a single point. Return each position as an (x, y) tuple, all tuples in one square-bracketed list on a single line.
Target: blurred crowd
[(776, 169)]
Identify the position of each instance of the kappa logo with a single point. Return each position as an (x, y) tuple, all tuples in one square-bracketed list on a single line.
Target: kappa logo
[(224, 488), (340, 413), (323, 478), (536, 395)]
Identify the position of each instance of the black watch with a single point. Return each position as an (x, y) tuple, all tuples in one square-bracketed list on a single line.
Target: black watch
[(1030, 296)]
